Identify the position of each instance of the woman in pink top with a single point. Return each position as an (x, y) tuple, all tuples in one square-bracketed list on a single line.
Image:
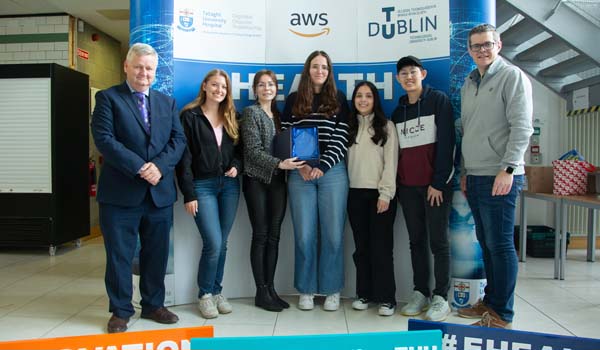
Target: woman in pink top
[(208, 178)]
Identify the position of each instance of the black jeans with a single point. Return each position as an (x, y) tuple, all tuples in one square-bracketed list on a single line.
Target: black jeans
[(266, 209), (374, 245), (427, 225)]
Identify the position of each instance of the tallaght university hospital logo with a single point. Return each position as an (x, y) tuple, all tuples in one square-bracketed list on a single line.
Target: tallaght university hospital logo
[(309, 25), (186, 20)]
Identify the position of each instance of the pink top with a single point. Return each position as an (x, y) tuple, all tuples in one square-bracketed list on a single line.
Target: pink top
[(218, 134)]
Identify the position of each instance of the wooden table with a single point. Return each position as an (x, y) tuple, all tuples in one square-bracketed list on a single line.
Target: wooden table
[(590, 201)]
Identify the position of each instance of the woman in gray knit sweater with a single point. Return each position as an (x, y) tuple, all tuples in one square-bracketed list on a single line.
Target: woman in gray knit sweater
[(264, 187)]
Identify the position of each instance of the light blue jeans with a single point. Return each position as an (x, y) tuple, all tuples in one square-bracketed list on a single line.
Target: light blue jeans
[(217, 205), (318, 210)]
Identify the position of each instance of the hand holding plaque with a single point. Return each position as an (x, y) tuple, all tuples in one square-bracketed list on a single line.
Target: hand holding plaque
[(301, 143)]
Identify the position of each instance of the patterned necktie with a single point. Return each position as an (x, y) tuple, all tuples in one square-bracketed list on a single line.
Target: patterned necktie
[(141, 104)]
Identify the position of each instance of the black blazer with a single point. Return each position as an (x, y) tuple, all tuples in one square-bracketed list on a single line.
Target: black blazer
[(202, 158), (119, 134)]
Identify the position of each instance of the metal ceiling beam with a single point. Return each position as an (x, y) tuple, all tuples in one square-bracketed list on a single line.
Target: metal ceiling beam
[(543, 50), (568, 67), (579, 33)]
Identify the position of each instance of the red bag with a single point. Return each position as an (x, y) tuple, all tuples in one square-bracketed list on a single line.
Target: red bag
[(570, 177)]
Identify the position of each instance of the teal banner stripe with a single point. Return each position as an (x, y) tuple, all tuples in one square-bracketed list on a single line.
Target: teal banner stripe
[(34, 38), (422, 340)]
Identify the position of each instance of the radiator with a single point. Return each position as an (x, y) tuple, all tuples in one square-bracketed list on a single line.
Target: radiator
[(582, 132)]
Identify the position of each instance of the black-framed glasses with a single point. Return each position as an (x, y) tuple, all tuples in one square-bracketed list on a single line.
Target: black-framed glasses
[(488, 45), (405, 74)]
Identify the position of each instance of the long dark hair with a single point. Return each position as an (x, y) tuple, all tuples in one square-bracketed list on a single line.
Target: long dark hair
[(379, 120), (329, 103), (274, 110)]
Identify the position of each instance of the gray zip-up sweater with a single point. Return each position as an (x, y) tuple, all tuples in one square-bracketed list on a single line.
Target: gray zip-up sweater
[(496, 115)]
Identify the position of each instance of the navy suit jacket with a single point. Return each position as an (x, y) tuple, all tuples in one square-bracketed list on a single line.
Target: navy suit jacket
[(120, 136)]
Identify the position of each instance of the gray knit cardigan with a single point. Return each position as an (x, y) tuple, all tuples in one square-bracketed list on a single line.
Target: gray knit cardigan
[(257, 131)]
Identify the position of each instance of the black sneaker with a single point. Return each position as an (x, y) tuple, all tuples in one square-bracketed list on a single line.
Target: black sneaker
[(360, 304), (386, 309)]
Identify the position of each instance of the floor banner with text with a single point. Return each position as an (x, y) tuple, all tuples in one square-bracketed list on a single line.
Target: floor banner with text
[(166, 339), (466, 337)]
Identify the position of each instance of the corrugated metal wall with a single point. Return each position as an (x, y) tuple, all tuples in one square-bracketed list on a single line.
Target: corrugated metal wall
[(583, 134)]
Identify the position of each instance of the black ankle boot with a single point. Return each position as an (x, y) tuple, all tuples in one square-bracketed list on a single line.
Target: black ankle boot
[(284, 304), (264, 300)]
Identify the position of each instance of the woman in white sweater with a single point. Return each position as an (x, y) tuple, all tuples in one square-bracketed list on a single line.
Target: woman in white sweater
[(372, 161)]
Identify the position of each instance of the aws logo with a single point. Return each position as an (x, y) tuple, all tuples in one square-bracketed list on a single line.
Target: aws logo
[(309, 25)]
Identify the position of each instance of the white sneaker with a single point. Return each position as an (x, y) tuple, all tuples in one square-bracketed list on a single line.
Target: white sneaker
[(306, 302), (223, 305), (207, 306), (417, 304), (360, 304), (438, 310), (332, 302), (386, 309)]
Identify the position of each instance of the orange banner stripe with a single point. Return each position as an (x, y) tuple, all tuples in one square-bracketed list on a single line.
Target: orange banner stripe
[(176, 338)]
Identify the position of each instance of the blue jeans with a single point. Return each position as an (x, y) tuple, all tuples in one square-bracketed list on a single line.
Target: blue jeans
[(318, 210), (494, 218), (217, 205)]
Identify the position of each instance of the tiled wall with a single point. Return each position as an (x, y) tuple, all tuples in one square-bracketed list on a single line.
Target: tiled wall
[(105, 69), (104, 64), (40, 39)]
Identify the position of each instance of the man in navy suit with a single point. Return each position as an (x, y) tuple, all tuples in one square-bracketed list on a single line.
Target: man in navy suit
[(138, 132)]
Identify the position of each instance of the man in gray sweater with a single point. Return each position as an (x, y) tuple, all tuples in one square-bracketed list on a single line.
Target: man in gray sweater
[(496, 114)]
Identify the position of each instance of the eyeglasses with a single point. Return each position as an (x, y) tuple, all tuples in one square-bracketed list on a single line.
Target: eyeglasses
[(488, 45), (263, 85), (406, 74)]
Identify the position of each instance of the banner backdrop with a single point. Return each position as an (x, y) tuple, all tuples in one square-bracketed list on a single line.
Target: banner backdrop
[(364, 40), (467, 269)]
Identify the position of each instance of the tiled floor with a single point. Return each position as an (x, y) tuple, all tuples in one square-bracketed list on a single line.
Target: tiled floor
[(43, 296)]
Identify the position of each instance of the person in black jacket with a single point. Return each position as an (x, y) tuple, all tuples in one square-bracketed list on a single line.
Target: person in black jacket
[(208, 178), (426, 135)]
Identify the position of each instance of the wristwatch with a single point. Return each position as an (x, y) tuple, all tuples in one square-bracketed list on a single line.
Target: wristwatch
[(509, 170)]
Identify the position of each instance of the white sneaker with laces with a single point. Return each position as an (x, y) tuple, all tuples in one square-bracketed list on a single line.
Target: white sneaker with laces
[(438, 310), (360, 304), (417, 304), (332, 302), (306, 302), (207, 306), (223, 305), (386, 309)]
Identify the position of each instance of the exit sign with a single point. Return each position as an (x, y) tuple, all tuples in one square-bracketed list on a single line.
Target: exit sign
[(83, 54)]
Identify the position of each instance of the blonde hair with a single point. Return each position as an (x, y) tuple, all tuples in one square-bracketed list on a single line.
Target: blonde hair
[(226, 107)]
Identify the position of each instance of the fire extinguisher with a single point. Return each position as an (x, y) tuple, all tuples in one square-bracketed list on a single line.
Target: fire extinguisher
[(92, 170)]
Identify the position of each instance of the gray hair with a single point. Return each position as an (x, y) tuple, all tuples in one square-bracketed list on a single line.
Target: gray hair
[(484, 28), (140, 49)]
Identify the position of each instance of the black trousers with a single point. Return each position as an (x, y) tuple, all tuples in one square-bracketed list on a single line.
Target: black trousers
[(374, 245), (266, 209), (427, 225)]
